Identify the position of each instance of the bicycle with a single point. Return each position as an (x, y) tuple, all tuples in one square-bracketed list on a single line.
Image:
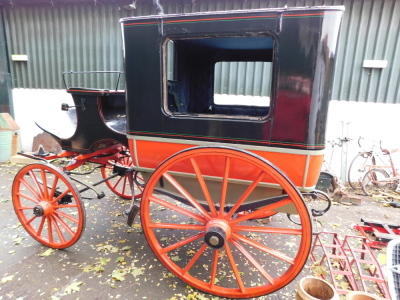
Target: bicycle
[(378, 181), (361, 163)]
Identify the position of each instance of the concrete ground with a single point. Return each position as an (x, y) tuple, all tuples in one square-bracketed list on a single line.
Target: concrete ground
[(86, 270)]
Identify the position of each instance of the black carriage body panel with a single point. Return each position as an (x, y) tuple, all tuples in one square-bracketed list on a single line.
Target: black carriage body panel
[(304, 45), (100, 120)]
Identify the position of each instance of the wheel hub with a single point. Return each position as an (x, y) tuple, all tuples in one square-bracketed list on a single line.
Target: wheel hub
[(217, 233), (44, 208)]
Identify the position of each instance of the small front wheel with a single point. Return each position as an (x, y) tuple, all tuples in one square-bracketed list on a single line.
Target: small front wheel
[(48, 205)]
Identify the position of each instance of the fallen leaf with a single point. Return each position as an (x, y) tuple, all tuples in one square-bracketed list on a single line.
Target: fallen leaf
[(47, 252), (73, 287), (6, 279), (136, 272), (119, 274)]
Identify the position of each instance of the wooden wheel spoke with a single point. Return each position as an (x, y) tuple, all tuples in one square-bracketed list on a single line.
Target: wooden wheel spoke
[(50, 230), (118, 181), (268, 230), (27, 197), (30, 220), (224, 187), (39, 231), (194, 259), (25, 207), (182, 243), (30, 188), (214, 268), (44, 180), (68, 217), (253, 261), (53, 188), (65, 206), (65, 225), (264, 248), (259, 212), (177, 226), (234, 268), (63, 194), (36, 182), (186, 194), (204, 187), (58, 230), (177, 209), (246, 194)]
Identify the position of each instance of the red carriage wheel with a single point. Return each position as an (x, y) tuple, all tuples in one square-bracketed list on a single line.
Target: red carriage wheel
[(191, 216), (122, 185), (48, 205)]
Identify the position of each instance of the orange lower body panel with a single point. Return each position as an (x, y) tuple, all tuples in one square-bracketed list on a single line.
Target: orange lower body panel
[(302, 169)]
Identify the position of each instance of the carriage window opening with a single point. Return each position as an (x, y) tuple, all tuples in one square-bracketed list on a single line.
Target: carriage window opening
[(242, 83), (219, 77)]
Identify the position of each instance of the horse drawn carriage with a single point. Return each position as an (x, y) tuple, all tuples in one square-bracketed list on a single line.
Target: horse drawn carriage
[(204, 174)]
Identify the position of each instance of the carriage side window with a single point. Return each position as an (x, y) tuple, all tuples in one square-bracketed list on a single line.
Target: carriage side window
[(223, 77)]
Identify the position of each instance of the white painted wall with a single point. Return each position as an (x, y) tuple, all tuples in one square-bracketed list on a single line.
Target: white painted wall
[(373, 122), (44, 107)]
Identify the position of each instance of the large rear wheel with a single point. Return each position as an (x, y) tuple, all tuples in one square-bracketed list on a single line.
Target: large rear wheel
[(375, 182), (198, 232), (48, 205)]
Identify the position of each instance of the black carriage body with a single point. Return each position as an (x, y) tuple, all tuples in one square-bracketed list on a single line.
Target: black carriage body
[(302, 51)]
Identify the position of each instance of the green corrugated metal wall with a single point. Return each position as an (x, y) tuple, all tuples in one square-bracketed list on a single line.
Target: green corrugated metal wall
[(85, 37)]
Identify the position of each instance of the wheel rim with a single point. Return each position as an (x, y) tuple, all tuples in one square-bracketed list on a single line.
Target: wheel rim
[(375, 182), (215, 250), (122, 185), (48, 206)]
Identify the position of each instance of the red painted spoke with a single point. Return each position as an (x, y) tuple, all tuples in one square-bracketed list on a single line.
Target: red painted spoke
[(194, 259), (60, 196), (214, 268), (65, 205), (25, 207), (68, 217), (53, 188), (177, 208), (39, 232), (124, 185), (118, 181), (253, 261), (30, 188), (224, 187), (268, 230), (27, 197), (65, 225), (177, 226), (36, 182), (50, 230), (185, 193), (182, 243), (259, 212), (245, 194), (264, 248), (30, 220), (44, 180), (58, 230), (234, 268), (204, 187)]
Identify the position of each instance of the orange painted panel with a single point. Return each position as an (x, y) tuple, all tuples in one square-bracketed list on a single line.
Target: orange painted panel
[(151, 154)]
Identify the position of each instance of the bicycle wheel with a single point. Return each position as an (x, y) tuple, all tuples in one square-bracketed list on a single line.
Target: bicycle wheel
[(202, 238), (375, 182), (358, 166)]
